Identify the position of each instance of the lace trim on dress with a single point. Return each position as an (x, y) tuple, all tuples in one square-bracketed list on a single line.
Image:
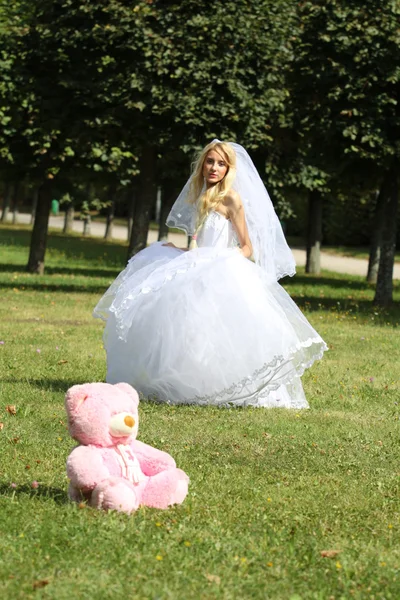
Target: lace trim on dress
[(282, 274), (241, 392), (146, 289)]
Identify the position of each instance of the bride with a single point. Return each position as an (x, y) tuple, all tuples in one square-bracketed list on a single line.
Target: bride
[(211, 325)]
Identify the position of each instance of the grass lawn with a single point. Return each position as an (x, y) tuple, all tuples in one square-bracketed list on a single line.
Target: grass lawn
[(271, 490)]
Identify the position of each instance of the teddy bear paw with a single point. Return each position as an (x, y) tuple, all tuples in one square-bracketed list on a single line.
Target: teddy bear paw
[(115, 494), (181, 489)]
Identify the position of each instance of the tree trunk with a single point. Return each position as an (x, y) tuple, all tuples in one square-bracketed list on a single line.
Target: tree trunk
[(111, 212), (15, 203), (168, 197), (34, 204), (131, 210), (86, 225), (40, 229), (69, 219), (376, 234), (384, 286), (8, 194), (374, 257), (85, 214), (144, 201), (314, 233), (158, 203)]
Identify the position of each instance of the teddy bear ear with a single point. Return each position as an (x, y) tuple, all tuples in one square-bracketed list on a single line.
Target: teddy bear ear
[(75, 396), (128, 389)]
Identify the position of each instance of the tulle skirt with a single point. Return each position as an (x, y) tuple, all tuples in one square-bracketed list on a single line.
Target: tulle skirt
[(206, 327)]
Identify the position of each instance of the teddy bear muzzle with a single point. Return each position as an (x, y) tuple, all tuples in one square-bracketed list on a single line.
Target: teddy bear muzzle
[(122, 424)]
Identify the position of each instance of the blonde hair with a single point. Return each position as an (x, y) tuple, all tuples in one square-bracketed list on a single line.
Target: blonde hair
[(213, 196)]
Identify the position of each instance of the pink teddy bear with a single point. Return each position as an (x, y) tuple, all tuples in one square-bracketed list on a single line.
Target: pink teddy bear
[(110, 468)]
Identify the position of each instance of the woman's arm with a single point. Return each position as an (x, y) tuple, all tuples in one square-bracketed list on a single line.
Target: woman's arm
[(171, 245), (236, 215)]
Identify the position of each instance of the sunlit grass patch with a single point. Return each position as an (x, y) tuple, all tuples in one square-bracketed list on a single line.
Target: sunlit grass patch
[(271, 490)]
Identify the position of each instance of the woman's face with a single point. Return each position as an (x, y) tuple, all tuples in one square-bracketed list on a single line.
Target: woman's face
[(214, 168)]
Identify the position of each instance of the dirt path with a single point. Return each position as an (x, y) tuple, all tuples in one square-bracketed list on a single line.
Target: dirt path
[(339, 264)]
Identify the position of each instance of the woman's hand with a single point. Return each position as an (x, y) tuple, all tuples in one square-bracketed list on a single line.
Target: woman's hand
[(171, 245)]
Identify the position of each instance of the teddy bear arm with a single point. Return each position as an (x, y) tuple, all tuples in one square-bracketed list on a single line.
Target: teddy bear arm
[(152, 460), (86, 468)]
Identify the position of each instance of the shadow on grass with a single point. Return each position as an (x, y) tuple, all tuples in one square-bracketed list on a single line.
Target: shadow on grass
[(48, 385), (72, 246), (43, 491), (338, 304), (341, 305), (94, 288), (332, 302), (110, 272), (341, 281)]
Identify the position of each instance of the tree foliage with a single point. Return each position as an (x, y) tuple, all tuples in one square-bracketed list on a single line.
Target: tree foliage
[(310, 88)]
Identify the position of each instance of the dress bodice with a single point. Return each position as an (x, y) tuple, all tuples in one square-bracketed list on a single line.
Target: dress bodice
[(217, 232)]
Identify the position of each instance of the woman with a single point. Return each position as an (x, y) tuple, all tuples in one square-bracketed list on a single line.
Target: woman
[(210, 326)]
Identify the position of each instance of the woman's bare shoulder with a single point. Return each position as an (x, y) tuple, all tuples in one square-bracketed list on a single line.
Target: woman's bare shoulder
[(232, 199)]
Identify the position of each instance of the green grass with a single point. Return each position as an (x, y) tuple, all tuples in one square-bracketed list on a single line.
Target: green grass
[(270, 489)]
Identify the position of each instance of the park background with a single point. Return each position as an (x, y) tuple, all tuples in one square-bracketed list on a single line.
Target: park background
[(103, 105)]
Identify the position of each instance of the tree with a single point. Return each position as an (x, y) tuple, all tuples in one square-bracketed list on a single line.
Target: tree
[(390, 201), (40, 229), (314, 234), (377, 233), (345, 97), (205, 73), (56, 102), (144, 201)]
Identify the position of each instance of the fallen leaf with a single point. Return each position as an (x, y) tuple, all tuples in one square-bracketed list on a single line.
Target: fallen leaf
[(62, 362), (329, 553), (11, 409), (213, 578), (40, 583), (1, 426)]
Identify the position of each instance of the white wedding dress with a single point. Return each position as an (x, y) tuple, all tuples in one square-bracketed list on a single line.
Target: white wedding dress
[(206, 326)]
